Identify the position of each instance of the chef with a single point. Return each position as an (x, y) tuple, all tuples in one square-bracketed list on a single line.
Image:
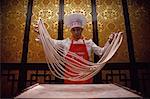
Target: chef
[(77, 43)]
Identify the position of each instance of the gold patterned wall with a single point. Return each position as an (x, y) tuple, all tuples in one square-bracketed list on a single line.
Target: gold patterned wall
[(139, 12), (83, 7), (13, 24), (110, 19), (48, 11)]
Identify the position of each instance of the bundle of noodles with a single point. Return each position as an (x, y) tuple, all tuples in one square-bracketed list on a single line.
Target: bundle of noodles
[(68, 68)]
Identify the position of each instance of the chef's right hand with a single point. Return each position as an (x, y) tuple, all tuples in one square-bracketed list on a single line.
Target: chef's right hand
[(36, 28)]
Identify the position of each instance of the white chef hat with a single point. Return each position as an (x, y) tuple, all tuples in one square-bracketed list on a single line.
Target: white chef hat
[(75, 20)]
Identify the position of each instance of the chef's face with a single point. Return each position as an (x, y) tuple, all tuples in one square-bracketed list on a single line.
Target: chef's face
[(77, 32)]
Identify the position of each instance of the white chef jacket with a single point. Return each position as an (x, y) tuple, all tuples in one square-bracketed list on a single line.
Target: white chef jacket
[(90, 45)]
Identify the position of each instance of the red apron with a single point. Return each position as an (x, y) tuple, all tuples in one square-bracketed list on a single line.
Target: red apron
[(81, 50)]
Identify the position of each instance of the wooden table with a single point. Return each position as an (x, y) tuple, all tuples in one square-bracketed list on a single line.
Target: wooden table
[(77, 91)]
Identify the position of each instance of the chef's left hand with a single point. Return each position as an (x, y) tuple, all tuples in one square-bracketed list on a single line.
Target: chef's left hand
[(111, 36)]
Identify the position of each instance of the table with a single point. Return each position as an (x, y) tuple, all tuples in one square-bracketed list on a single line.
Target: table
[(77, 91)]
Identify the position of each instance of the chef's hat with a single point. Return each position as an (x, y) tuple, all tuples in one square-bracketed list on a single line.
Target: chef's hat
[(74, 20)]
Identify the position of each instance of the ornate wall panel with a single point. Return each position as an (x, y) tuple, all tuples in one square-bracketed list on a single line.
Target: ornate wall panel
[(39, 73), (9, 82), (48, 11), (13, 24), (110, 19), (109, 15), (83, 7), (139, 12)]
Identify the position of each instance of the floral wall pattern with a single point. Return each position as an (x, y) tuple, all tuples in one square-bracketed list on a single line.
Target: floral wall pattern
[(139, 13), (109, 17), (83, 7), (13, 24), (48, 11)]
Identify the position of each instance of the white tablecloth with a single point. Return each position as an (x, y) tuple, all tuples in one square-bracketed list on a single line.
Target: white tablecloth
[(77, 91)]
